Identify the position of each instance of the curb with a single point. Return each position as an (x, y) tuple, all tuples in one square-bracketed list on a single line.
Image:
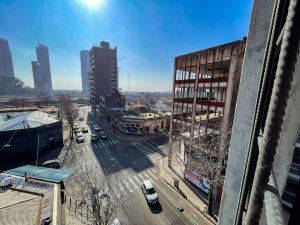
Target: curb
[(185, 197)]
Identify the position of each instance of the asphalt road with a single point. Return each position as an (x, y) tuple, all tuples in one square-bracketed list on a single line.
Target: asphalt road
[(131, 160)]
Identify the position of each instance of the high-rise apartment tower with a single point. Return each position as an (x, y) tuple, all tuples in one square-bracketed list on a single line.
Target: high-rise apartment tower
[(6, 63), (104, 72), (41, 70), (85, 69)]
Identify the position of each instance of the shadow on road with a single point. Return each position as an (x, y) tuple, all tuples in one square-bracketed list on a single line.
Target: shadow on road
[(120, 156), (156, 209)]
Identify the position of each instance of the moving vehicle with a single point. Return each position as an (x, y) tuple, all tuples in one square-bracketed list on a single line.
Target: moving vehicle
[(81, 118), (103, 136), (79, 138), (149, 192), (94, 138), (84, 130), (96, 127), (54, 163)]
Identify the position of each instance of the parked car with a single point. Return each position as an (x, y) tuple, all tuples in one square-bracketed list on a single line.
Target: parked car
[(54, 163), (94, 138), (116, 222), (77, 131), (84, 130), (149, 192), (103, 136), (96, 127), (75, 127), (79, 138)]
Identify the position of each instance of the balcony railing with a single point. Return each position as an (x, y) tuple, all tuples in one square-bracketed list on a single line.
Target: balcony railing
[(202, 80), (200, 102)]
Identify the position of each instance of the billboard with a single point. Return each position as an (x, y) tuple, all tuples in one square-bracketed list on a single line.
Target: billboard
[(197, 180)]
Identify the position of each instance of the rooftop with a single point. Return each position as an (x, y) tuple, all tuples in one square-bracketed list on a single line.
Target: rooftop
[(30, 200), (40, 173), (28, 119)]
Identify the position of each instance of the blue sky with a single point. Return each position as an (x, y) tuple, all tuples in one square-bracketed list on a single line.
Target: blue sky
[(148, 35)]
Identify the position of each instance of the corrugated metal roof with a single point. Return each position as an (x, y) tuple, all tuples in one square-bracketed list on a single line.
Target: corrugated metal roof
[(28, 119), (41, 173)]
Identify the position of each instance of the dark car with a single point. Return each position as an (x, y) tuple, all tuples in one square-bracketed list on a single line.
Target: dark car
[(84, 130), (94, 138), (54, 163), (103, 136)]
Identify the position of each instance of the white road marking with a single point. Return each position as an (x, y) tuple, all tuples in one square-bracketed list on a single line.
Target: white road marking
[(116, 193), (122, 188), (114, 142), (142, 176), (102, 144), (137, 180), (155, 157), (147, 151), (132, 182), (151, 175), (152, 154), (127, 186)]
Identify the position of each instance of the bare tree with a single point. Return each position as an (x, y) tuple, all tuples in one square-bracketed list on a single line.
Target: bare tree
[(15, 102), (205, 153), (68, 111), (45, 99), (95, 194)]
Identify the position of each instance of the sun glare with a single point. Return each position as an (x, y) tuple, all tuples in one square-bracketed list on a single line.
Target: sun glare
[(92, 4)]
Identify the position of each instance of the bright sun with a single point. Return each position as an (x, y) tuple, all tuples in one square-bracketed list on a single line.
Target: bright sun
[(92, 4)]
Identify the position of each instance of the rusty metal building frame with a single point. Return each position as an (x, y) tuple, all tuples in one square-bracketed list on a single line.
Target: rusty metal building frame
[(205, 86)]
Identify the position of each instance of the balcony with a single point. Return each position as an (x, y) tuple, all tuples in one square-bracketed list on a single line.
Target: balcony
[(199, 101), (215, 82)]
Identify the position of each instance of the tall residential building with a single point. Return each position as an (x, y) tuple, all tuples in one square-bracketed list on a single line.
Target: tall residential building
[(103, 74), (85, 69), (6, 62), (41, 70)]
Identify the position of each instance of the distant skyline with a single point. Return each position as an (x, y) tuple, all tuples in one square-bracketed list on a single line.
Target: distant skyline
[(148, 35)]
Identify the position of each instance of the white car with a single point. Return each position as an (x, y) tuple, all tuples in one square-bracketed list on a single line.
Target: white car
[(79, 137), (149, 192), (116, 222), (96, 127), (81, 118)]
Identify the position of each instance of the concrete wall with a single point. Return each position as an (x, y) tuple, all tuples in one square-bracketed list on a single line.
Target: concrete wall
[(244, 113), (234, 75)]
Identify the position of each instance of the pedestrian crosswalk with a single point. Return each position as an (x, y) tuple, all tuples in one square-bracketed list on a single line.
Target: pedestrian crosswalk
[(147, 149), (128, 184), (101, 144)]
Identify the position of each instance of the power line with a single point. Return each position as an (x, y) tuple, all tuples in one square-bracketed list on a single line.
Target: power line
[(9, 140)]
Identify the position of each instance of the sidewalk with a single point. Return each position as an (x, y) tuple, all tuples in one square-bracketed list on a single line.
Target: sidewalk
[(170, 175)]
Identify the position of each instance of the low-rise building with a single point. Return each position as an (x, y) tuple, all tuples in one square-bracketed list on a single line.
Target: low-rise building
[(115, 100), (27, 134), (142, 124), (32, 195)]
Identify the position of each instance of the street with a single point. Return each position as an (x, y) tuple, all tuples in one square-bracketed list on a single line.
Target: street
[(130, 160)]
